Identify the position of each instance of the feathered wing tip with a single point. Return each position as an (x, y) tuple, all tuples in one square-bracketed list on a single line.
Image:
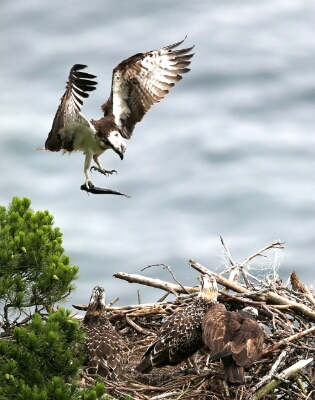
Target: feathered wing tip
[(70, 105), (143, 80), (80, 82), (173, 46), (180, 57), (145, 366), (234, 374)]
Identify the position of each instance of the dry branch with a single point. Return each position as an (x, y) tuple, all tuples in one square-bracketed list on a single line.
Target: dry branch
[(264, 295), (236, 287), (287, 340), (287, 315), (157, 283), (287, 373), (136, 327)]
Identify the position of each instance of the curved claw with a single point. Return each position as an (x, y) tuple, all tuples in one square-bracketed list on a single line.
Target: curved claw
[(104, 172)]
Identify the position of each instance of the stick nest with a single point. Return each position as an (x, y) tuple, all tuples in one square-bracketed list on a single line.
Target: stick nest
[(285, 369)]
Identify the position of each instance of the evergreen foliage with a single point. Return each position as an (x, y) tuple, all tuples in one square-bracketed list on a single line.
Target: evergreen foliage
[(41, 348)]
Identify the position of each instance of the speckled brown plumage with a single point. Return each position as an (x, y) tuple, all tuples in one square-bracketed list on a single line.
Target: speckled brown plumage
[(103, 344), (180, 337)]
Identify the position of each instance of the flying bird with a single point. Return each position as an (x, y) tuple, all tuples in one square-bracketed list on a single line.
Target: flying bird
[(137, 83), (180, 337), (234, 337), (103, 344)]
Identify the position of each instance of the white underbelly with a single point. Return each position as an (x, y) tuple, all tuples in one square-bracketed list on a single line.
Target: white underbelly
[(83, 137)]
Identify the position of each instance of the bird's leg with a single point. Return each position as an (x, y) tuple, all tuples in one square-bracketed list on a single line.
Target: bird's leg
[(192, 364), (193, 360), (100, 168), (87, 163)]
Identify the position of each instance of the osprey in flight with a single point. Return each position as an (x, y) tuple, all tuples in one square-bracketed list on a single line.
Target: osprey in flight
[(235, 338), (103, 343), (180, 337), (137, 83)]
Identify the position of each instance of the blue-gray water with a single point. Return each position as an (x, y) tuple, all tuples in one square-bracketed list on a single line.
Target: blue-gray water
[(231, 150)]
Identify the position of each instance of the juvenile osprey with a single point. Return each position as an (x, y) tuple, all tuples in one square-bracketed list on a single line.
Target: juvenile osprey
[(180, 337), (235, 338), (103, 343), (137, 83)]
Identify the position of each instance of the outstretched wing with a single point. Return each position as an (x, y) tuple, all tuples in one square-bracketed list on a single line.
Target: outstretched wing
[(71, 102), (143, 80)]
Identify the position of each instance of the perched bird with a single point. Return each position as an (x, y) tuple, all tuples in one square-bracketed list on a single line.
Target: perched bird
[(103, 343), (234, 337), (137, 83), (180, 337)]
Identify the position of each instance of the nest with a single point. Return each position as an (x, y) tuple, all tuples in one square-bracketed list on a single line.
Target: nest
[(285, 369)]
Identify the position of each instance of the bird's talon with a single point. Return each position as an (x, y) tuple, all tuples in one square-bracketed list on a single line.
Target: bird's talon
[(103, 171)]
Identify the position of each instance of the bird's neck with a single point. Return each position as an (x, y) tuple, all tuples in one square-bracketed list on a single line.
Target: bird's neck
[(209, 295)]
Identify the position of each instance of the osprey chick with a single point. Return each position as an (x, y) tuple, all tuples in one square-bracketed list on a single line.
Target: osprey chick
[(180, 337), (137, 83), (103, 343)]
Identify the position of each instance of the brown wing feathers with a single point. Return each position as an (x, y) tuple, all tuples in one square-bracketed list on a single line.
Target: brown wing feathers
[(103, 347), (78, 84), (180, 337), (234, 337), (145, 79)]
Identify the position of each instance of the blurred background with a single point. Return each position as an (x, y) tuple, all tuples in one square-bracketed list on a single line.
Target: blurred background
[(229, 151)]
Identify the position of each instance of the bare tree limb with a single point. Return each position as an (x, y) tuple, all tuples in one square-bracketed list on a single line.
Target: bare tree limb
[(272, 371), (170, 271), (157, 283), (265, 295), (222, 281), (287, 373), (288, 340), (275, 245)]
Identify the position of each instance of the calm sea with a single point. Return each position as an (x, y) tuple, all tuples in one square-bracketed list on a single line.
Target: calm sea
[(230, 151)]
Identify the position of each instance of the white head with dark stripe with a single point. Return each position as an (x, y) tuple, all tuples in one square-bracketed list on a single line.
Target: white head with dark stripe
[(208, 288), (116, 142)]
